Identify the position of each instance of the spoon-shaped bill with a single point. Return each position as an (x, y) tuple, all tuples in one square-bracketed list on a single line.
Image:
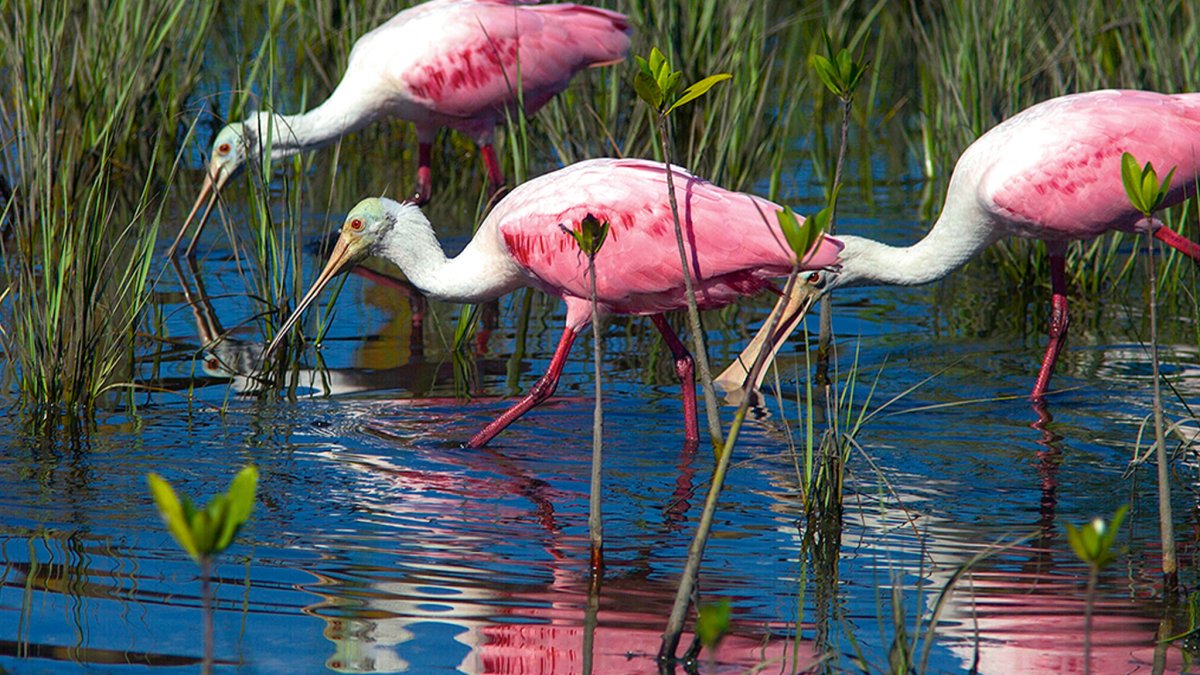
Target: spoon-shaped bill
[(345, 254), (787, 315), (210, 189)]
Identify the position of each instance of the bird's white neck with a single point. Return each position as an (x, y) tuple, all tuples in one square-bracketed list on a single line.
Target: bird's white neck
[(340, 114), (478, 274), (960, 233)]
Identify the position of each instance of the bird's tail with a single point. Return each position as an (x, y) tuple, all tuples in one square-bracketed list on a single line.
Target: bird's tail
[(602, 35)]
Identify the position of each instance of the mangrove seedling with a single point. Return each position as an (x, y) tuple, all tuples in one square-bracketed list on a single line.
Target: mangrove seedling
[(657, 84), (796, 238), (1093, 544), (712, 623), (589, 237), (840, 73), (205, 533), (1146, 193)]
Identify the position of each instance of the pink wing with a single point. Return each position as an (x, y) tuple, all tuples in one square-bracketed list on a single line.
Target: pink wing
[(734, 241), (1054, 170), (470, 56)]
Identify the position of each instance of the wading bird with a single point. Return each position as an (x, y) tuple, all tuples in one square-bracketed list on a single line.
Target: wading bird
[(736, 248), (463, 64), (1051, 172)]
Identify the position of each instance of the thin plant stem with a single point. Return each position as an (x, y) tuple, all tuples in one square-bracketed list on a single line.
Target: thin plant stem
[(595, 518), (206, 604), (1093, 573), (825, 334), (591, 613), (687, 583), (699, 352), (1166, 528)]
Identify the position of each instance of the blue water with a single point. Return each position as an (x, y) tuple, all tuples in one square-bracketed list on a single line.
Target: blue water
[(379, 544)]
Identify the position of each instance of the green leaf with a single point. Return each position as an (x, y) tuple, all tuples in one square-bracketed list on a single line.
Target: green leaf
[(668, 82), (1149, 187), (713, 622), (240, 502), (1093, 542), (826, 73), (209, 531), (204, 531), (172, 512), (589, 236), (1142, 186), (845, 65), (1164, 188), (800, 236), (1131, 179), (839, 72), (645, 67), (699, 89), (657, 63), (648, 90)]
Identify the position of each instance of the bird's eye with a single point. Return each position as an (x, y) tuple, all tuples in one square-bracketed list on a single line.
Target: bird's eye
[(223, 149), (356, 224), (814, 277)]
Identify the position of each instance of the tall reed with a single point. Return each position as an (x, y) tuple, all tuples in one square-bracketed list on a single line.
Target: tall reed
[(981, 62), (762, 45), (91, 95)]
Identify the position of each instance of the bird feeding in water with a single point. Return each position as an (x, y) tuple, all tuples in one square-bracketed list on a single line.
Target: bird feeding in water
[(462, 64), (1052, 172), (735, 248)]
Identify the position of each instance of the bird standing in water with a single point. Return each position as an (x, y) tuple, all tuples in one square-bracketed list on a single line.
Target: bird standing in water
[(1052, 172), (735, 247), (462, 64)]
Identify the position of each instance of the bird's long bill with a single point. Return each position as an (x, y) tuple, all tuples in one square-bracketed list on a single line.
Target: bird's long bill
[(210, 190), (786, 316), (342, 257)]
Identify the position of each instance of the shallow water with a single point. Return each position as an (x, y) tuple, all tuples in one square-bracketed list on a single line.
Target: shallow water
[(380, 545)]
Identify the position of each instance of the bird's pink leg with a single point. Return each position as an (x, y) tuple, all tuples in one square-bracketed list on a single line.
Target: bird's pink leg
[(1059, 319), (489, 318), (1178, 242), (539, 392), (495, 175), (424, 186), (683, 368)]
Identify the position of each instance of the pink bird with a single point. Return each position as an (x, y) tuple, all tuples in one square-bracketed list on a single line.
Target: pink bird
[(463, 64), (736, 248), (1051, 172)]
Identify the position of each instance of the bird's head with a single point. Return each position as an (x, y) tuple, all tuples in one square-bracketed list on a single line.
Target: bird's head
[(229, 150), (367, 227), (228, 155), (821, 281)]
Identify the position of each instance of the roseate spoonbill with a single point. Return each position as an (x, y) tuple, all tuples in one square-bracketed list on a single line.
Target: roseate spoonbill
[(1051, 172), (736, 248), (445, 63)]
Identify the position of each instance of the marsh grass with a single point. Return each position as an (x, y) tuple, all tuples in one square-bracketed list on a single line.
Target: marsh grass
[(978, 63), (738, 133), (90, 123)]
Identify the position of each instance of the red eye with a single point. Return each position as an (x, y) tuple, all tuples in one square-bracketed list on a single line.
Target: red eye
[(223, 149), (814, 277), (356, 224)]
